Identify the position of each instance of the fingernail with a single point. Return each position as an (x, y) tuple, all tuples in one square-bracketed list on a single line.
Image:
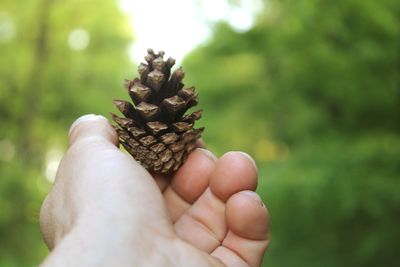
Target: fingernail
[(254, 196), (208, 153), (81, 119), (250, 158)]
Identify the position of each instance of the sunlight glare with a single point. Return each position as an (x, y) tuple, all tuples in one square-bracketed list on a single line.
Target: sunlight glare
[(7, 28), (177, 27), (53, 158), (78, 39)]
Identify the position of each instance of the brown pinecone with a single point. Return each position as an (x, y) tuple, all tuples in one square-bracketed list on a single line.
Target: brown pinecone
[(155, 130)]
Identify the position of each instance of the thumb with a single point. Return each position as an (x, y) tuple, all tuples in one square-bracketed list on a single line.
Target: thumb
[(92, 126)]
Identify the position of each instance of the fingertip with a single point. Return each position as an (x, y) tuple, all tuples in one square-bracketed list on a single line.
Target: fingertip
[(201, 144), (248, 236), (247, 216), (253, 162), (193, 177), (92, 126), (234, 172), (207, 153), (251, 195), (87, 117)]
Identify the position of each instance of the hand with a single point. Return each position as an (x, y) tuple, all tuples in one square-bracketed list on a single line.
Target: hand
[(106, 210)]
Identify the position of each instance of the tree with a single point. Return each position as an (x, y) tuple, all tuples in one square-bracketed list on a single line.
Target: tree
[(312, 91), (59, 60)]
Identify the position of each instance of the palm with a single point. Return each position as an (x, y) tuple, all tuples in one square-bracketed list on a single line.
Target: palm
[(208, 212)]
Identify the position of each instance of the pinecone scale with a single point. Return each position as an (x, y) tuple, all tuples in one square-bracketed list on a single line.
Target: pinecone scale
[(155, 129)]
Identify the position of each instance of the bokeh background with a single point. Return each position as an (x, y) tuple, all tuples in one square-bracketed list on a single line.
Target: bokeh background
[(309, 88)]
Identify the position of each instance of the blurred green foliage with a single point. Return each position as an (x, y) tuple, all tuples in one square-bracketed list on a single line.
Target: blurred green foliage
[(311, 91), (44, 86)]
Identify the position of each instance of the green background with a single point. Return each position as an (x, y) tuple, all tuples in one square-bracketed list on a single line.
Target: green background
[(311, 92)]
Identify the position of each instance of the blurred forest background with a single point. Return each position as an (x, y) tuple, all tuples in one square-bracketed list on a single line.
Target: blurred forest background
[(311, 91)]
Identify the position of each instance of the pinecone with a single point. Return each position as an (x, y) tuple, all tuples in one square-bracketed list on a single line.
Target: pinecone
[(155, 130)]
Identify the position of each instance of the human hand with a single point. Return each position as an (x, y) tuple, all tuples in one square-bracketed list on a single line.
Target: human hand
[(107, 210)]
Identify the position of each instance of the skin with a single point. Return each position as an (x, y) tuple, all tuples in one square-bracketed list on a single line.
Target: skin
[(106, 210)]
